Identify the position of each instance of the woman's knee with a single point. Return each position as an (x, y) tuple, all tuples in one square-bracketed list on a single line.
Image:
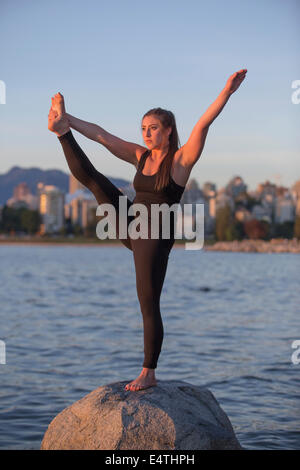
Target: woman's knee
[(149, 304)]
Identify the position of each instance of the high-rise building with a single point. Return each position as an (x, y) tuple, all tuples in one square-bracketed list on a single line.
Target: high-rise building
[(21, 191), (295, 191), (79, 205), (285, 209), (266, 189), (74, 185), (51, 206), (235, 187), (209, 189), (22, 197)]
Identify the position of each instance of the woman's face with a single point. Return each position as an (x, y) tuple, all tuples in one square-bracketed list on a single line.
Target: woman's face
[(154, 134)]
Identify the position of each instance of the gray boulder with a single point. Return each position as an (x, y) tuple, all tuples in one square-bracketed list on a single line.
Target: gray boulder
[(173, 415)]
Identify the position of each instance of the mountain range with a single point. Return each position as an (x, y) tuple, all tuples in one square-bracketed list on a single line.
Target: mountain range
[(34, 175)]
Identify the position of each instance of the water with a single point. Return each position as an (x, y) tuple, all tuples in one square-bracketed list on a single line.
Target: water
[(71, 322)]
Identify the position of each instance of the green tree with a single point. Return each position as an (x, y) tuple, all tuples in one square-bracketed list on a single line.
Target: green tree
[(19, 219), (230, 233), (90, 229), (284, 230), (63, 231), (223, 223), (251, 202), (11, 221), (77, 229), (234, 231), (30, 220)]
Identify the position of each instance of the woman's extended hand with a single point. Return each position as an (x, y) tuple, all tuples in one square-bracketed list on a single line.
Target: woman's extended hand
[(235, 80)]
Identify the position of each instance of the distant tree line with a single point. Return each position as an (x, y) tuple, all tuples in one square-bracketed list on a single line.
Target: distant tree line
[(28, 221), (227, 228), (14, 220)]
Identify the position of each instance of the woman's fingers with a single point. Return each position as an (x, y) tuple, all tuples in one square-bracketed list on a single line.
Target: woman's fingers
[(239, 75)]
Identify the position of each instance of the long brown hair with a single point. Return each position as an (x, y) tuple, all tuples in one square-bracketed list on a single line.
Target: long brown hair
[(167, 119)]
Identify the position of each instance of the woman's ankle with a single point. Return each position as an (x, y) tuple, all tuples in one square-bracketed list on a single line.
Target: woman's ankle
[(148, 371), (63, 132)]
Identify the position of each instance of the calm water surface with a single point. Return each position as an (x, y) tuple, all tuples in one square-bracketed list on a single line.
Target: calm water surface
[(71, 322)]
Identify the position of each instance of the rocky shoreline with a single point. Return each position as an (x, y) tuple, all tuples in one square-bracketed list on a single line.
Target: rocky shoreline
[(274, 245)]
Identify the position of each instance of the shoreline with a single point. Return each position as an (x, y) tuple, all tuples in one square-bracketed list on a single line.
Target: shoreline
[(275, 245), (247, 246)]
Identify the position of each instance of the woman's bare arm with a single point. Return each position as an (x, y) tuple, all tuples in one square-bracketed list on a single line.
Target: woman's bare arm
[(192, 150), (122, 149)]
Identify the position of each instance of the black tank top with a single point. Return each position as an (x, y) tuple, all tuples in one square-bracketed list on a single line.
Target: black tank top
[(144, 187)]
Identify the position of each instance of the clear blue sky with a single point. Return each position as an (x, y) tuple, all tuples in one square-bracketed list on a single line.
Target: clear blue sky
[(115, 60)]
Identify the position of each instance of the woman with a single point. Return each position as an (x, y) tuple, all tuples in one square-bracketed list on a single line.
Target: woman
[(163, 170)]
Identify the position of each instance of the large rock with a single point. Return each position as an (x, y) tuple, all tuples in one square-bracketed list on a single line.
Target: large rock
[(172, 415)]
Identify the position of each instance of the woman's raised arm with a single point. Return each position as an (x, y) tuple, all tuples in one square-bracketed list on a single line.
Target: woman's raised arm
[(122, 149), (192, 150)]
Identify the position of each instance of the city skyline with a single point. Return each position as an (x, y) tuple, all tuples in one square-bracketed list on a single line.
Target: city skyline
[(277, 180), (280, 179), (58, 209)]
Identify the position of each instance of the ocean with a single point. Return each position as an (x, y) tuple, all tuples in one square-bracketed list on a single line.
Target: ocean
[(71, 322)]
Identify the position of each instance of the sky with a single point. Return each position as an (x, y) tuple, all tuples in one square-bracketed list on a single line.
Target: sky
[(113, 61)]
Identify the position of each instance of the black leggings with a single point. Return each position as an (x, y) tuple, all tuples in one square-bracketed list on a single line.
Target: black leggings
[(150, 255)]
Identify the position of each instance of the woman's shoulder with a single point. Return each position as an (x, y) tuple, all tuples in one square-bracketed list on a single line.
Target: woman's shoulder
[(180, 173), (140, 152)]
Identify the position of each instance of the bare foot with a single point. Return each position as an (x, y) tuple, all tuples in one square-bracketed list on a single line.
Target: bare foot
[(57, 124), (58, 104), (145, 380)]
